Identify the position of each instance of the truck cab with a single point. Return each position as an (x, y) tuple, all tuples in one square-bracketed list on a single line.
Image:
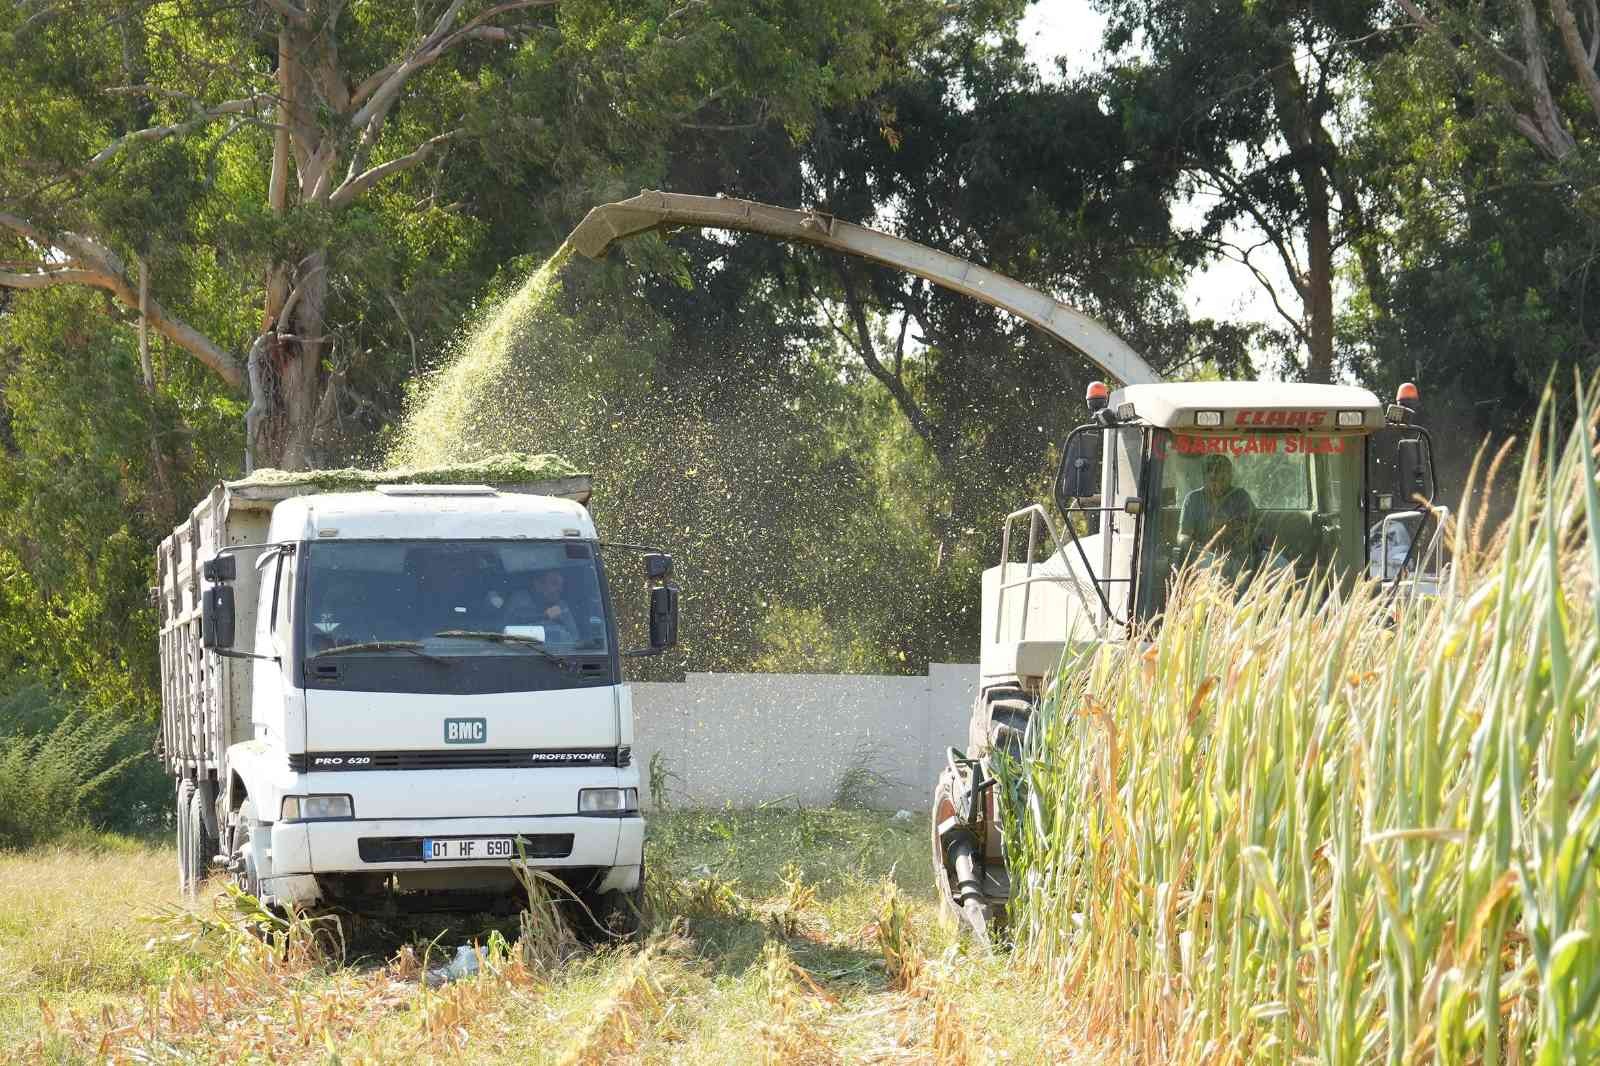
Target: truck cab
[(431, 695)]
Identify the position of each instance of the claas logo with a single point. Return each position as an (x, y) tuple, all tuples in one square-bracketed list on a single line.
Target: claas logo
[(1287, 419)]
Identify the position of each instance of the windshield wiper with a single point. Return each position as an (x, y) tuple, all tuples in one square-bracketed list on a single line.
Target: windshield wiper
[(412, 646), (533, 644)]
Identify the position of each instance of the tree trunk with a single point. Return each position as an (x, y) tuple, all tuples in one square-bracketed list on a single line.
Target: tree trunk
[(1319, 280), (300, 372), (296, 294), (1300, 126)]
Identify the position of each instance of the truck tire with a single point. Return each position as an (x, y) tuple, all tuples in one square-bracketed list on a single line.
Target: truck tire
[(201, 847), (245, 876), (184, 812), (619, 914)]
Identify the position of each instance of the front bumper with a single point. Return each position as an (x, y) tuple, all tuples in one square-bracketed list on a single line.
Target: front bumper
[(336, 847)]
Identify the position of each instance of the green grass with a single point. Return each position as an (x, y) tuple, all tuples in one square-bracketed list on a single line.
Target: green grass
[(767, 949)]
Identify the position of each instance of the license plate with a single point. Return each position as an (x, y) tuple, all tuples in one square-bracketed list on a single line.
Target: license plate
[(457, 848)]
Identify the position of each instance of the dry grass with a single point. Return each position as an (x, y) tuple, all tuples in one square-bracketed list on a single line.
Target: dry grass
[(804, 937)]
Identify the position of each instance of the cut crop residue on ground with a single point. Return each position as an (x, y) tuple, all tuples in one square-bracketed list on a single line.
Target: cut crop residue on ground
[(772, 947)]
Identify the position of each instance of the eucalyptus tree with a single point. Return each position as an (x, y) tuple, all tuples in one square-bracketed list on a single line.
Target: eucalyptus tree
[(1250, 101), (1479, 141), (233, 175)]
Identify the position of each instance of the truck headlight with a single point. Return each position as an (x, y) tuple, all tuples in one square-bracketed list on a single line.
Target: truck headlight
[(316, 808), (607, 800)]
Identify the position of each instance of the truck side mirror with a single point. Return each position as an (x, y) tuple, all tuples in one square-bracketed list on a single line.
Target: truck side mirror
[(216, 616), (657, 566), (1079, 475), (220, 568), (663, 617), (1411, 477)]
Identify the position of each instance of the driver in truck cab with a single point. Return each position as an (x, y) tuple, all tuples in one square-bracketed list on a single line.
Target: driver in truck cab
[(1218, 515), (541, 603)]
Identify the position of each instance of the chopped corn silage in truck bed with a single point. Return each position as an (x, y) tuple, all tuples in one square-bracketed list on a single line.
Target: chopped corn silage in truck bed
[(545, 474)]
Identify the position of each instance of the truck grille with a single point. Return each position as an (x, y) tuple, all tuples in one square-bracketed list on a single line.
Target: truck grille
[(485, 759), (409, 849)]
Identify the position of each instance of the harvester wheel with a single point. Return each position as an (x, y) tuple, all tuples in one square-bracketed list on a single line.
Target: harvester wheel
[(972, 914), (944, 807), (999, 721)]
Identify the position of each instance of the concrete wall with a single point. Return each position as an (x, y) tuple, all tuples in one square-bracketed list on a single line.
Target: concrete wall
[(748, 739)]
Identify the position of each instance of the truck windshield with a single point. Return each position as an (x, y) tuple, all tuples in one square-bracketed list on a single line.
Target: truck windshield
[(454, 598), (1254, 502)]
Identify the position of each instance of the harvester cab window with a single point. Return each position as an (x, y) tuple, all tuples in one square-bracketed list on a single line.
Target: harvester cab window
[(1252, 503)]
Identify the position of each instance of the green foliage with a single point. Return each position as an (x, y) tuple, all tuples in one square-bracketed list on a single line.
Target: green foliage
[(1489, 286), (64, 768)]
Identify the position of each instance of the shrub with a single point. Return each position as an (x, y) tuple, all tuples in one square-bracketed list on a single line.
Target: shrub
[(64, 768)]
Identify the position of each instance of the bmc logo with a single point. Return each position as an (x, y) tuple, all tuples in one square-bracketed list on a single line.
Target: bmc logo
[(465, 730)]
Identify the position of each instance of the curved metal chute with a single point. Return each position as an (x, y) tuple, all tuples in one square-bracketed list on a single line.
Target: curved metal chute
[(652, 210)]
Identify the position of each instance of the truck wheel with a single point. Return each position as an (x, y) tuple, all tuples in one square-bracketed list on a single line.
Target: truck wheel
[(184, 811), (200, 846), (619, 914), (245, 876)]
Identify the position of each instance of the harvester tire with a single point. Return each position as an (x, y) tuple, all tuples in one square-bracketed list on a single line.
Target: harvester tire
[(944, 806), (978, 919)]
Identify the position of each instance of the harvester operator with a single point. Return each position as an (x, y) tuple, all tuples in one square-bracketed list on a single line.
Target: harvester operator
[(1219, 515)]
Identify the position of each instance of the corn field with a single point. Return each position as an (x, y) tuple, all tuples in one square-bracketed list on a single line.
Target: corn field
[(1294, 826)]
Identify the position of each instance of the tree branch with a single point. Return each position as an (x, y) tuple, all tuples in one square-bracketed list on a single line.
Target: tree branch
[(288, 10), (354, 187), (47, 277), (1577, 52), (1242, 257), (1593, 51), (1558, 141), (258, 406), (96, 266), (379, 90), (156, 133), (24, 228), (907, 403), (1241, 196)]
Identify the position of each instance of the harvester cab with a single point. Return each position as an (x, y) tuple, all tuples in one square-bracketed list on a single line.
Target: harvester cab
[(1251, 477)]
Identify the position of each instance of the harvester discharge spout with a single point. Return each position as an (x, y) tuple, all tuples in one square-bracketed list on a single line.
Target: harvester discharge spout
[(650, 210)]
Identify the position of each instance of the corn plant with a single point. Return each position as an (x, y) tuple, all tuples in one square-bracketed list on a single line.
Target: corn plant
[(1309, 822)]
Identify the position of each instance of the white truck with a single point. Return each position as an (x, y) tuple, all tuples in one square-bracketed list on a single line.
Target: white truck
[(385, 695)]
